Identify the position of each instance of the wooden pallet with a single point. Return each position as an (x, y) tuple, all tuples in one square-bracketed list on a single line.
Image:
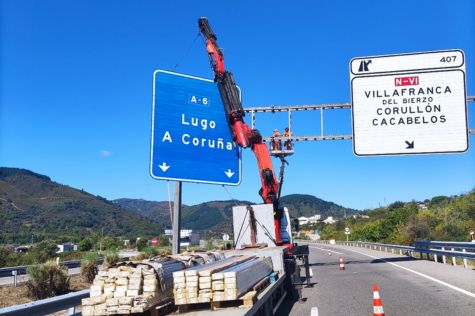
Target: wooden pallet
[(245, 301)]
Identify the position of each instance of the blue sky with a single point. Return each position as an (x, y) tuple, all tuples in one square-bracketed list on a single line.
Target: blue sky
[(76, 89)]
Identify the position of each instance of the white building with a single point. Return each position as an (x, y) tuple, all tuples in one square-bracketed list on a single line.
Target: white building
[(303, 220), (329, 220), (314, 219), (309, 220), (67, 247), (187, 237)]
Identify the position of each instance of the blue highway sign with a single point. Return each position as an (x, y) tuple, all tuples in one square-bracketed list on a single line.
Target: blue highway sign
[(191, 140)]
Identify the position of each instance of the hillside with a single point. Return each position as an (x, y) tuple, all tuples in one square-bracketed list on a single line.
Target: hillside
[(216, 216), (309, 205), (32, 206), (157, 211), (440, 218)]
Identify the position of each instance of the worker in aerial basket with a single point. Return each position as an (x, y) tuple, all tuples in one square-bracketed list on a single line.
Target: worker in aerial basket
[(275, 143), (288, 142)]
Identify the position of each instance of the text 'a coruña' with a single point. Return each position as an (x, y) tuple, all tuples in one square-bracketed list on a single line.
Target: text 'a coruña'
[(203, 142)]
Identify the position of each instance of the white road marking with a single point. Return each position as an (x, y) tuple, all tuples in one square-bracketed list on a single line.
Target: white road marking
[(453, 287), (314, 311), (340, 253)]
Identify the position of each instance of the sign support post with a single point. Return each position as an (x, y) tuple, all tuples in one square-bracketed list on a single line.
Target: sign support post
[(177, 218)]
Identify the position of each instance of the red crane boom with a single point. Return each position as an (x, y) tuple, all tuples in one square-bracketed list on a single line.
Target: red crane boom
[(242, 134)]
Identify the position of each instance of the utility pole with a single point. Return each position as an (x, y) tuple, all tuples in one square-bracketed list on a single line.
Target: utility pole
[(102, 236)]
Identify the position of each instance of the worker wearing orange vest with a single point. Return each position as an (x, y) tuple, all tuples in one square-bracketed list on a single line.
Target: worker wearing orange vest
[(276, 143), (287, 144)]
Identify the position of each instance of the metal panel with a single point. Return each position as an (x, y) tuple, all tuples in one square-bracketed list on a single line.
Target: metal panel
[(264, 214), (191, 140), (409, 104)]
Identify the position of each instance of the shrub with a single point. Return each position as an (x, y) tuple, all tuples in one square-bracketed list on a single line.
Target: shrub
[(163, 241), (142, 244), (111, 258), (89, 266), (47, 280), (150, 252)]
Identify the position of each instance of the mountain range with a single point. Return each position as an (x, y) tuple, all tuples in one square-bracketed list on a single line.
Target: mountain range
[(33, 207), (216, 216)]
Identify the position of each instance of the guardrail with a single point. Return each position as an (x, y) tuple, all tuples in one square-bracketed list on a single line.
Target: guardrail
[(464, 250), (7, 271), (47, 306)]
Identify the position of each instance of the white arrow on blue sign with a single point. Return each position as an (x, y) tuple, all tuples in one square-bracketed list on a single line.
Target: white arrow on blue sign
[(190, 135)]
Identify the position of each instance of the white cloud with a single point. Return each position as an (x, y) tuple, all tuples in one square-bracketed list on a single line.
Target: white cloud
[(105, 153)]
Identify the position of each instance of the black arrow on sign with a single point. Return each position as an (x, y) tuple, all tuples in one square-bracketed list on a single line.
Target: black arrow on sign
[(410, 145)]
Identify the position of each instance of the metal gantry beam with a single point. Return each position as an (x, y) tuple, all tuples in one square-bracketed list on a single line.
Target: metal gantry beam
[(308, 138), (309, 107), (305, 107)]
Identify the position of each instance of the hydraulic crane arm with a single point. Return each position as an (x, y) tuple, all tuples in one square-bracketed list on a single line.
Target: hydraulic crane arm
[(241, 132)]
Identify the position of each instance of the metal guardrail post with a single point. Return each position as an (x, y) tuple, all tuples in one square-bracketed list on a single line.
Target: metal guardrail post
[(14, 273), (444, 260), (465, 265), (454, 261), (71, 311)]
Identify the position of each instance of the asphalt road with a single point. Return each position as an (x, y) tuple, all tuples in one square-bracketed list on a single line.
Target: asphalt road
[(407, 286)]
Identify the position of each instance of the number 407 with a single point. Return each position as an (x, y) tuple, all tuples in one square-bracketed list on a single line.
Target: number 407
[(448, 59)]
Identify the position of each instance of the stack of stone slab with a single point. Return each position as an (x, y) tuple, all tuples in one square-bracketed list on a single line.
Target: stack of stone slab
[(193, 285), (233, 282), (131, 287), (210, 282)]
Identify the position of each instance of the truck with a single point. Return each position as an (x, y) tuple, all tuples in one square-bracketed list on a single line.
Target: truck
[(288, 257)]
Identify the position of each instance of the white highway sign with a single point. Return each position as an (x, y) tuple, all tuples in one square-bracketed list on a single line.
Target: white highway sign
[(409, 104)]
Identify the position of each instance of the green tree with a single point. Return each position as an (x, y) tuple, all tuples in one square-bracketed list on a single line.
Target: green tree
[(87, 244), (44, 251), (396, 205), (109, 243), (370, 232)]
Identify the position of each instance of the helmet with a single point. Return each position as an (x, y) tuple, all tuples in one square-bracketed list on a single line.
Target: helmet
[(286, 129), (276, 130)]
